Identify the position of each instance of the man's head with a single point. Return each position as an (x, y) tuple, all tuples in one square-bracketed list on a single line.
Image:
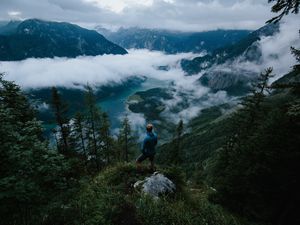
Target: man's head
[(149, 127)]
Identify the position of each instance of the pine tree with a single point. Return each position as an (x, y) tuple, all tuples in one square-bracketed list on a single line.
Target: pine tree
[(78, 134), (284, 7), (259, 157), (93, 121), (32, 177), (245, 119), (244, 123), (106, 139), (126, 139), (60, 109), (175, 153)]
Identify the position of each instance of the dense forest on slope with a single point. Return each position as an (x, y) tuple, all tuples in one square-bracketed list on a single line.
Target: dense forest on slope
[(246, 48), (237, 168), (43, 39), (173, 41), (250, 156), (84, 179)]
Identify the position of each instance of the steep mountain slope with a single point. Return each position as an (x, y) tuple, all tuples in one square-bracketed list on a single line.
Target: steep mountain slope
[(173, 41), (40, 39), (220, 70), (246, 48), (9, 27)]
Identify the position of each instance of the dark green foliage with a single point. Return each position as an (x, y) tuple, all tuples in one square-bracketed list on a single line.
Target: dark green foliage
[(174, 154), (255, 172), (40, 186), (127, 145), (75, 97), (93, 123), (62, 134), (284, 7), (204, 135), (106, 139), (111, 199), (34, 180)]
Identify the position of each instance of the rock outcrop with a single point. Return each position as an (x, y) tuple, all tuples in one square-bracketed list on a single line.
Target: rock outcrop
[(156, 185)]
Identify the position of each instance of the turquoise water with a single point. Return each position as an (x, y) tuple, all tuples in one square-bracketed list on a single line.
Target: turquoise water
[(115, 105)]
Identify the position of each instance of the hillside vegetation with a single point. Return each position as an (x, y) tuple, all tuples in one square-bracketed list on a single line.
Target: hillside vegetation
[(234, 164)]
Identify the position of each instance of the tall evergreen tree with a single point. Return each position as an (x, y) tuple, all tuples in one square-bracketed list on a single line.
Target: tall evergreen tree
[(251, 169), (32, 177), (93, 120), (126, 139), (78, 135), (175, 153), (106, 139), (60, 109)]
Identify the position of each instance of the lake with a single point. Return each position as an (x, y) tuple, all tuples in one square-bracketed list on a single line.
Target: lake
[(115, 105)]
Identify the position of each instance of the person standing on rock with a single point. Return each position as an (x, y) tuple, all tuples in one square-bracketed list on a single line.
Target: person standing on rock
[(148, 148)]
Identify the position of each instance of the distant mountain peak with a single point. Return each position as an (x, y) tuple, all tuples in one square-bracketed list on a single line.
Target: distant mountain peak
[(171, 41), (39, 39)]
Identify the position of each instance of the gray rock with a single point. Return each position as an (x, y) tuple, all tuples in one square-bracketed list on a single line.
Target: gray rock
[(156, 185)]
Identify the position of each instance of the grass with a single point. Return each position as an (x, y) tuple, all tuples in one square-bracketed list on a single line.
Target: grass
[(111, 199)]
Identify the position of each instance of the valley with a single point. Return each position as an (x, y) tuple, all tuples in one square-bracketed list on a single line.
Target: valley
[(221, 93)]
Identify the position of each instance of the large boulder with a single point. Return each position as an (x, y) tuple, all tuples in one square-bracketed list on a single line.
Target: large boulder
[(156, 185)]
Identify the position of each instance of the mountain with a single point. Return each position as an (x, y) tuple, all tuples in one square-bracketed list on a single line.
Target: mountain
[(259, 145), (220, 70), (9, 27), (40, 39), (247, 48), (173, 41)]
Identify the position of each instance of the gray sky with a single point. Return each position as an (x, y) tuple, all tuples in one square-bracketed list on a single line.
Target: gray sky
[(185, 15)]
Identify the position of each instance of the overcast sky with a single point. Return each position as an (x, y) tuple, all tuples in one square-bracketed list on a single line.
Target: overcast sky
[(185, 15)]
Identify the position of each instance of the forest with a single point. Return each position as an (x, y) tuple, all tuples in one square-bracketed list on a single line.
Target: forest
[(236, 170)]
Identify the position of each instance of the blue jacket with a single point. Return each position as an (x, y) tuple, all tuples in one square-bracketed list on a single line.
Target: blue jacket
[(149, 143)]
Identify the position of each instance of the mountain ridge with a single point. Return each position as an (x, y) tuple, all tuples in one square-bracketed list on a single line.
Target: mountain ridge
[(170, 41), (42, 39)]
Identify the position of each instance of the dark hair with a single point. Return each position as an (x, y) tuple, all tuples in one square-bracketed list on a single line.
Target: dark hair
[(149, 127)]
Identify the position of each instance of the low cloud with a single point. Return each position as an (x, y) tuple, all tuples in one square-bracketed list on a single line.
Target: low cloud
[(99, 70), (108, 69), (275, 52)]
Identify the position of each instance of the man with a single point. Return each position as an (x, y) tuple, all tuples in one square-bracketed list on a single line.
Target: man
[(148, 149)]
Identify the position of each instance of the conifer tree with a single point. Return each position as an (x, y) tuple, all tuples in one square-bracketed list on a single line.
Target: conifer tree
[(30, 173), (60, 109), (255, 159), (79, 134), (106, 139), (126, 139), (93, 120), (284, 7), (176, 154)]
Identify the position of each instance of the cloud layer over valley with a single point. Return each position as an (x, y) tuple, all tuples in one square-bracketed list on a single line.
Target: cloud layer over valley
[(99, 70), (112, 69)]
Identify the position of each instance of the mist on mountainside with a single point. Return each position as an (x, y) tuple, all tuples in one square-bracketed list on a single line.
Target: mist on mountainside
[(147, 112)]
